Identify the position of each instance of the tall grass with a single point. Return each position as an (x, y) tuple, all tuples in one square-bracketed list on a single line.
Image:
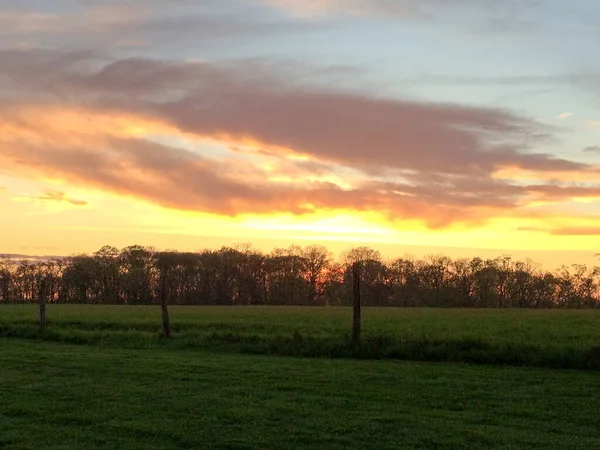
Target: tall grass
[(559, 339)]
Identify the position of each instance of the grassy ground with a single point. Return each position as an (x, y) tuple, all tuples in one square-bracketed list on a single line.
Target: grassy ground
[(59, 396), (556, 338)]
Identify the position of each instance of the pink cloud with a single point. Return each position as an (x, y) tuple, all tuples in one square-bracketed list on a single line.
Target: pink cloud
[(247, 99)]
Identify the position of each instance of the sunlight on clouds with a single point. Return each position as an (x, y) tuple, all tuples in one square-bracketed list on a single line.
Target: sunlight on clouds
[(141, 221), (305, 8), (82, 127), (75, 125), (298, 157), (537, 203), (586, 200), (505, 234), (564, 115), (280, 179), (269, 166), (191, 124), (253, 146), (331, 179), (316, 9), (336, 223), (54, 181), (347, 226)]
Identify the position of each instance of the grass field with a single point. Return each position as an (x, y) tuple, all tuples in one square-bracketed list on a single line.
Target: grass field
[(544, 338), (60, 396)]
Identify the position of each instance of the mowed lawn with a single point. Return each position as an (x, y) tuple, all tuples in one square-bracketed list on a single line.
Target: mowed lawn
[(543, 338), (61, 396)]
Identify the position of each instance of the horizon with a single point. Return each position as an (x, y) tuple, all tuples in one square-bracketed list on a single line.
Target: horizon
[(545, 260), (462, 128)]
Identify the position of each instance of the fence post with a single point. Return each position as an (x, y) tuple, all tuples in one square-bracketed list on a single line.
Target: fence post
[(42, 300), (356, 313), (163, 304)]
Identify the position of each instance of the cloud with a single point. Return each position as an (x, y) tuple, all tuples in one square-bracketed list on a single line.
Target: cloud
[(592, 149), (179, 179), (483, 16), (469, 16), (139, 24), (593, 125), (53, 196), (57, 196), (565, 231), (564, 115), (577, 231), (395, 8), (246, 99), (316, 8), (588, 80), (90, 119)]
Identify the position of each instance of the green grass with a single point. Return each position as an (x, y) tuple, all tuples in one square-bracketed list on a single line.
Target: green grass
[(544, 338), (60, 396)]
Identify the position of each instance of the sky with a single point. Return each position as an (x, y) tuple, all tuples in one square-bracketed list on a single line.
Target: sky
[(462, 127)]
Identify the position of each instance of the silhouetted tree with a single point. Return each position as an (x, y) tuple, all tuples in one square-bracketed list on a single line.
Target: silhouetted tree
[(295, 276)]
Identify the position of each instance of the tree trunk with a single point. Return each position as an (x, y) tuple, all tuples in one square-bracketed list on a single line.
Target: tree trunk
[(356, 313), (42, 299), (164, 307)]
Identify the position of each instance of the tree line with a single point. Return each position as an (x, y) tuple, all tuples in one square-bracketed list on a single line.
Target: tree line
[(294, 276)]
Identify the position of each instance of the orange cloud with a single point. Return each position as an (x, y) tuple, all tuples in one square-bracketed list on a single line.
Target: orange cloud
[(40, 123)]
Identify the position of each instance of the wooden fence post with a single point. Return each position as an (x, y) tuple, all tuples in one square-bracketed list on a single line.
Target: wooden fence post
[(163, 305), (356, 313), (42, 305)]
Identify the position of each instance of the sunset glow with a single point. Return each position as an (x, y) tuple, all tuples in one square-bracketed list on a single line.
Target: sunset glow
[(407, 126)]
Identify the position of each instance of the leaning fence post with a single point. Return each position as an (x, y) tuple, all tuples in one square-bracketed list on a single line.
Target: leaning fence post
[(356, 313)]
